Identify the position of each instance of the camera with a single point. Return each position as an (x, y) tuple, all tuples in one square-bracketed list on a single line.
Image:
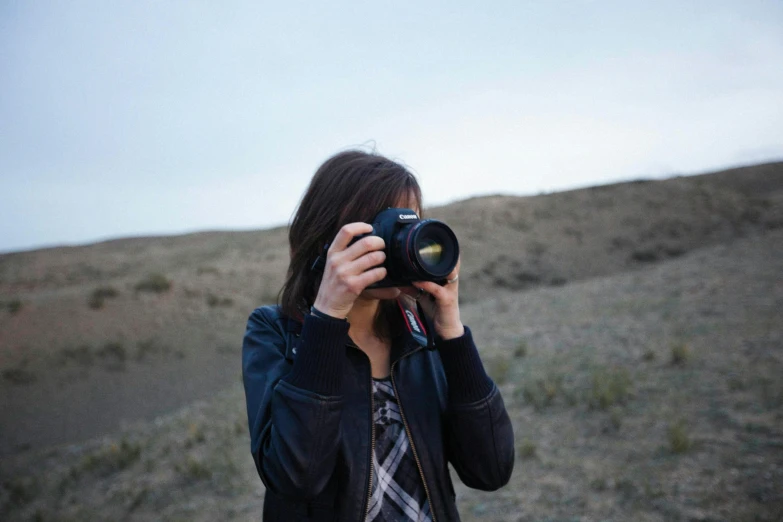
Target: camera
[(416, 249)]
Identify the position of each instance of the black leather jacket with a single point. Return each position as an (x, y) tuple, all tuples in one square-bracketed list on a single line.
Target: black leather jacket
[(312, 445)]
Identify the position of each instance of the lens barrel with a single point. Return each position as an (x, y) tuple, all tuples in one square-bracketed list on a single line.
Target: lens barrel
[(428, 250)]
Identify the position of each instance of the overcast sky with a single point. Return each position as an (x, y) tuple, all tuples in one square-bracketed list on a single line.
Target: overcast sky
[(157, 117)]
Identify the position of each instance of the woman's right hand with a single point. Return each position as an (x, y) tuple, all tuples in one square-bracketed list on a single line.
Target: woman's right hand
[(349, 269)]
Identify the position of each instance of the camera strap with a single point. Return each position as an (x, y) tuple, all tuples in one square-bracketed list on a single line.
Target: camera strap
[(320, 261), (413, 321)]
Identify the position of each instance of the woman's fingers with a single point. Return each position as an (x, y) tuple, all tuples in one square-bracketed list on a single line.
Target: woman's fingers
[(367, 261), (369, 277), (410, 290), (442, 293), (347, 233), (361, 247), (434, 289), (454, 273), (443, 308), (349, 269)]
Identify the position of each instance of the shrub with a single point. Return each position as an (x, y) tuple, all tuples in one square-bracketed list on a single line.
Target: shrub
[(21, 490), (771, 393), (113, 458), (213, 301), (542, 392), (82, 354), (736, 382), (240, 426), (157, 283), (558, 281), (196, 434), (18, 376), (14, 306), (99, 295), (194, 469), (616, 418), (499, 369), (150, 347), (680, 353), (114, 356), (610, 386), (644, 256), (527, 449), (679, 441), (114, 350), (268, 297)]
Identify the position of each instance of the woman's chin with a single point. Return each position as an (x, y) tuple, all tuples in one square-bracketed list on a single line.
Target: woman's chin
[(381, 293)]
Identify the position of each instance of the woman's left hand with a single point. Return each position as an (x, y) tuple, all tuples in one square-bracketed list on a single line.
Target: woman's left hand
[(442, 305)]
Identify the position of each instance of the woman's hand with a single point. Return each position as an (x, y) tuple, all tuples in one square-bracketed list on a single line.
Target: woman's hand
[(349, 270), (443, 307)]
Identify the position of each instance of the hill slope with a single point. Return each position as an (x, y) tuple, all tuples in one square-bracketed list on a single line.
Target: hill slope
[(651, 395), (89, 341), (516, 243)]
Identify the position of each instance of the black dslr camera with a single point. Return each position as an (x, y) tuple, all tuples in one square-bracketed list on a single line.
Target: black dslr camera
[(416, 250)]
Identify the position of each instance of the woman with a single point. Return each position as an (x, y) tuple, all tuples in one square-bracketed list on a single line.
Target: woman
[(353, 417)]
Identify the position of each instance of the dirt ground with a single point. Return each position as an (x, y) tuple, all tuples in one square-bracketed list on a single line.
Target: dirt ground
[(643, 385)]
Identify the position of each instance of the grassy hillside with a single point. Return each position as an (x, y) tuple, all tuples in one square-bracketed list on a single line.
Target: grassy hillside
[(516, 243), (652, 395), (633, 327)]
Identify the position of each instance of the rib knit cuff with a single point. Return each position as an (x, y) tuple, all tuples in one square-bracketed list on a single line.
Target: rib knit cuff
[(319, 364), (468, 382)]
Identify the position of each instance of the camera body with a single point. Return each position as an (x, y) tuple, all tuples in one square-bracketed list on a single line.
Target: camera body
[(416, 249)]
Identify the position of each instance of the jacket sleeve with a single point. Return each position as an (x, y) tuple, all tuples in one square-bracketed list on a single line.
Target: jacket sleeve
[(293, 408), (478, 435)]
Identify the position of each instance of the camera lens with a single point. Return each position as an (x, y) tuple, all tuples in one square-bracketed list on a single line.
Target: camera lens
[(429, 250)]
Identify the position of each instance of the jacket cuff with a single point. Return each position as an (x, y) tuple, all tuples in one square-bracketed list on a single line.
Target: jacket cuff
[(319, 363), (468, 381)]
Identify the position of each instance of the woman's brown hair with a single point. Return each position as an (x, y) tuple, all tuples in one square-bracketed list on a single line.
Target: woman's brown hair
[(350, 186)]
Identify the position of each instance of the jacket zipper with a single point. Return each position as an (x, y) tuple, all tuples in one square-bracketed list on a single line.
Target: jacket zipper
[(372, 436), (410, 439), (372, 449)]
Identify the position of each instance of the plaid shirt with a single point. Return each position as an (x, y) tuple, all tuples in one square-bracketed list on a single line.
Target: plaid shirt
[(397, 490)]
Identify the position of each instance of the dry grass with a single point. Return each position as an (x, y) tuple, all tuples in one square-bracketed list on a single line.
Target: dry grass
[(543, 391), (14, 306), (681, 354), (526, 449), (115, 457), (82, 355), (213, 301), (499, 368), (590, 391), (18, 376), (113, 355), (155, 283), (679, 440), (99, 296), (611, 386)]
